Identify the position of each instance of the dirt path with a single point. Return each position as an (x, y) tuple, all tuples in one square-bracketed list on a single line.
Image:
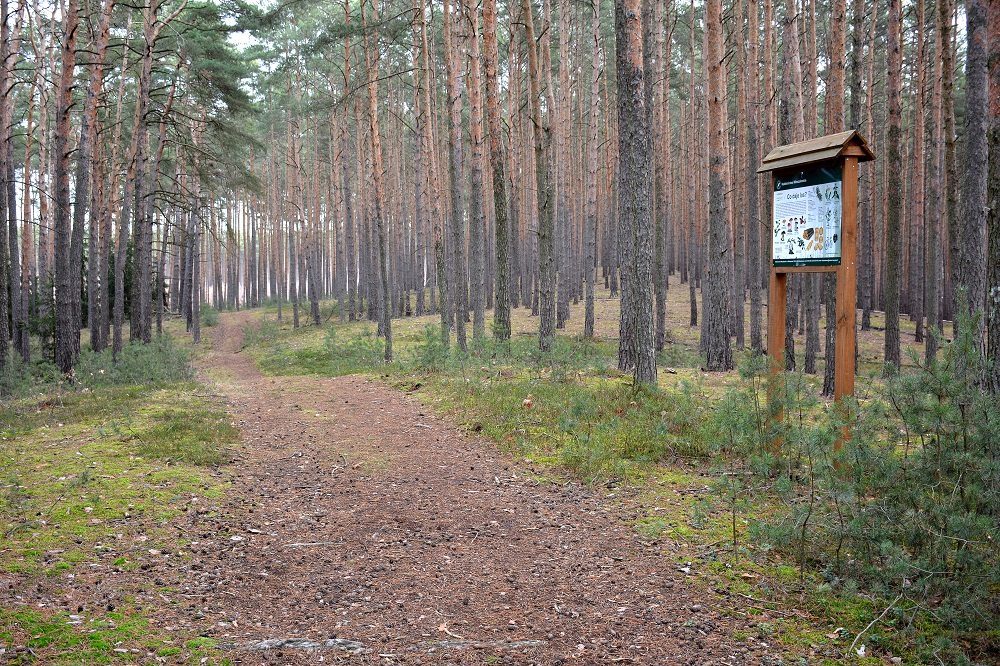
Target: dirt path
[(357, 515)]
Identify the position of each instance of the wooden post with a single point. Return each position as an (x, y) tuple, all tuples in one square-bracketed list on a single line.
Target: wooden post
[(778, 288), (847, 286), (799, 162)]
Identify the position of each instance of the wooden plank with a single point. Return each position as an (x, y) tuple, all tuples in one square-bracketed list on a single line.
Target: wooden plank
[(798, 161), (816, 150), (776, 303), (808, 269), (847, 288), (776, 318)]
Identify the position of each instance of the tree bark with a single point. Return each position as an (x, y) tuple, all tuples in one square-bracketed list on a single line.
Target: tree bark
[(477, 218), (971, 273), (546, 218), (590, 222), (835, 123), (455, 174), (754, 265), (378, 200), (993, 254), (501, 311), (894, 259), (64, 350), (6, 109), (634, 188), (716, 320)]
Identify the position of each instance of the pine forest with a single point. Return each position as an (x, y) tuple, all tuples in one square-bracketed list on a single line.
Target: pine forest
[(548, 215)]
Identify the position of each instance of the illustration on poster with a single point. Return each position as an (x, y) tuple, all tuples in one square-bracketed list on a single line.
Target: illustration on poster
[(807, 217)]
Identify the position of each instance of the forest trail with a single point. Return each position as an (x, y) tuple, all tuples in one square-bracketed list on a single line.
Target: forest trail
[(355, 514)]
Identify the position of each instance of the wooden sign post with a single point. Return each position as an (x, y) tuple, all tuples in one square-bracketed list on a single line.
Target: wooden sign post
[(814, 226)]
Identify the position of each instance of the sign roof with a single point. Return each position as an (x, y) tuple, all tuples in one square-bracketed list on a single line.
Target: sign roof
[(817, 150)]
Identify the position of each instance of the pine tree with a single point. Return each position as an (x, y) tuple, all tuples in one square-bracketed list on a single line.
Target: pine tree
[(634, 214)]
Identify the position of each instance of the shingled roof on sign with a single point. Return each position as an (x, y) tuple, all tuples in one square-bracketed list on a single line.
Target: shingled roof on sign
[(818, 150)]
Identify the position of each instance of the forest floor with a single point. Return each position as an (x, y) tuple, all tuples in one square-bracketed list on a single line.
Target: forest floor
[(342, 520), (351, 524), (356, 514)]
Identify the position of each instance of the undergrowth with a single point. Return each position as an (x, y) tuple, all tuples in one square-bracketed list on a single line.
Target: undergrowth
[(90, 465)]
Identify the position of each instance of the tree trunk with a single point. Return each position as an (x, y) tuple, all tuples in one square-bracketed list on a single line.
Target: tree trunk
[(993, 254), (378, 200), (791, 127), (590, 229), (455, 175), (6, 110), (835, 123), (64, 350), (501, 311), (971, 273), (894, 259), (634, 185), (546, 222), (716, 321), (754, 267), (477, 218)]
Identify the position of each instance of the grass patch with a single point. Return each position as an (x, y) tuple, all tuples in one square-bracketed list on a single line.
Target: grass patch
[(88, 470)]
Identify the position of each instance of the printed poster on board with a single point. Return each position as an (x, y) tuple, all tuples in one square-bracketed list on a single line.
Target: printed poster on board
[(806, 229)]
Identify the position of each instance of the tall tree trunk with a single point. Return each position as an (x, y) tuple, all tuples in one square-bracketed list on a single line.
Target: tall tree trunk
[(950, 168), (477, 218), (455, 174), (835, 123), (791, 127), (971, 273), (993, 253), (716, 321), (915, 287), (634, 189), (546, 219), (19, 315), (6, 110), (501, 311), (419, 175), (754, 267), (866, 188), (590, 228), (690, 164), (935, 201), (64, 350), (378, 200), (85, 173), (894, 259), (562, 129)]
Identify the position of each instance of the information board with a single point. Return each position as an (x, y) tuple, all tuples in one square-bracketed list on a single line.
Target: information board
[(806, 227)]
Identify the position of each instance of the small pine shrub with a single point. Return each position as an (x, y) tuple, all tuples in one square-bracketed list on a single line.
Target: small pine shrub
[(260, 332), (159, 362), (208, 316), (18, 378), (906, 509), (430, 354), (362, 351)]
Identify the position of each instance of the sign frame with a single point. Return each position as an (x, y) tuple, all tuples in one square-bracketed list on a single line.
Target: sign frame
[(809, 217), (845, 150)]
